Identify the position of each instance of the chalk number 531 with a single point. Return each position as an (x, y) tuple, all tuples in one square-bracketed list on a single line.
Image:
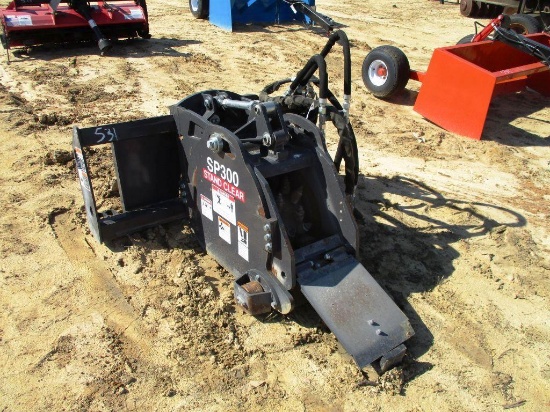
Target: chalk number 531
[(105, 134)]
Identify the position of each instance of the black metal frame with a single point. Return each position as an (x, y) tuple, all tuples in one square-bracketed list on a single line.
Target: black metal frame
[(147, 201)]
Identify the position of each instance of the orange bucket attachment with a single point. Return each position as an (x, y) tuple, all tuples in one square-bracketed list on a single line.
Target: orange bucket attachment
[(461, 80)]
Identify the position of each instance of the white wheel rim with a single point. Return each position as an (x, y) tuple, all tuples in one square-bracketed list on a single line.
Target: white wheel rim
[(195, 5), (378, 72)]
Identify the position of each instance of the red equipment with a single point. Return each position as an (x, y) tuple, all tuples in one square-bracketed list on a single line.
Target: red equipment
[(33, 22), (492, 26), (461, 80)]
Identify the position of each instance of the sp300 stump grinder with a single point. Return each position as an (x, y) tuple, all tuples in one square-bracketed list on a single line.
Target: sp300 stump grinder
[(33, 22), (253, 176)]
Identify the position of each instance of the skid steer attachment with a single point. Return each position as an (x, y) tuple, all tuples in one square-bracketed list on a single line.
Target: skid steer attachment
[(263, 196), (33, 22)]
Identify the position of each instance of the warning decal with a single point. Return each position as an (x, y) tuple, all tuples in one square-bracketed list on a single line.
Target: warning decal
[(225, 185), (135, 14), (224, 229), (206, 207), (242, 237), (16, 21), (224, 204)]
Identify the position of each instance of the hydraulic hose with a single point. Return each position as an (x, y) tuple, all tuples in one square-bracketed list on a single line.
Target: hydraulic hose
[(333, 38), (347, 146), (315, 62), (272, 88), (343, 38)]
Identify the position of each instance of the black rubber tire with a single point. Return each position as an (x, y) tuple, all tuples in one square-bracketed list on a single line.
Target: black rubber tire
[(477, 11), (144, 33), (484, 10), (466, 39), (468, 8), (200, 10), (143, 5), (525, 24), (491, 11), (497, 11), (3, 37), (397, 70)]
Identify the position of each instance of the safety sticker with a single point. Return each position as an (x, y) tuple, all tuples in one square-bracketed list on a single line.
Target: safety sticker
[(227, 186), (224, 204), (242, 236), (81, 168), (206, 207), (16, 21), (224, 229), (135, 14)]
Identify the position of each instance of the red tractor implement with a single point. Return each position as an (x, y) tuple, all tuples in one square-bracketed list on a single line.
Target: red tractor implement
[(527, 16), (28, 23)]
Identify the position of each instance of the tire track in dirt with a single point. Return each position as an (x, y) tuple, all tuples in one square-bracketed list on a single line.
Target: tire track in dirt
[(106, 296)]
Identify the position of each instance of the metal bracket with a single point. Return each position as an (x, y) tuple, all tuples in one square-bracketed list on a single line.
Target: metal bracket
[(324, 21), (271, 296), (145, 154)]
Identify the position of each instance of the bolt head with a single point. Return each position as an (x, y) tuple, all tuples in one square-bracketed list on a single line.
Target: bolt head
[(215, 142), (267, 139)]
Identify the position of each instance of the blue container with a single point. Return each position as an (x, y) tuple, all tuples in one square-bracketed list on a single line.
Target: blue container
[(224, 13)]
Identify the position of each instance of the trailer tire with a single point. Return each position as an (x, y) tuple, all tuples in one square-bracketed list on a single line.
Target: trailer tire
[(468, 8), (3, 37), (199, 8), (144, 32), (525, 24), (497, 10), (483, 11), (466, 39), (385, 71), (491, 11)]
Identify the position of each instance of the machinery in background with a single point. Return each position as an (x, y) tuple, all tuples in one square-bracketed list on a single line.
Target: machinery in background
[(27, 23), (527, 16), (461, 80), (226, 13)]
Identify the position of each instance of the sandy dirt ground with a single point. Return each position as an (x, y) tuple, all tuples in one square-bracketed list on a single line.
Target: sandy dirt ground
[(455, 230)]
